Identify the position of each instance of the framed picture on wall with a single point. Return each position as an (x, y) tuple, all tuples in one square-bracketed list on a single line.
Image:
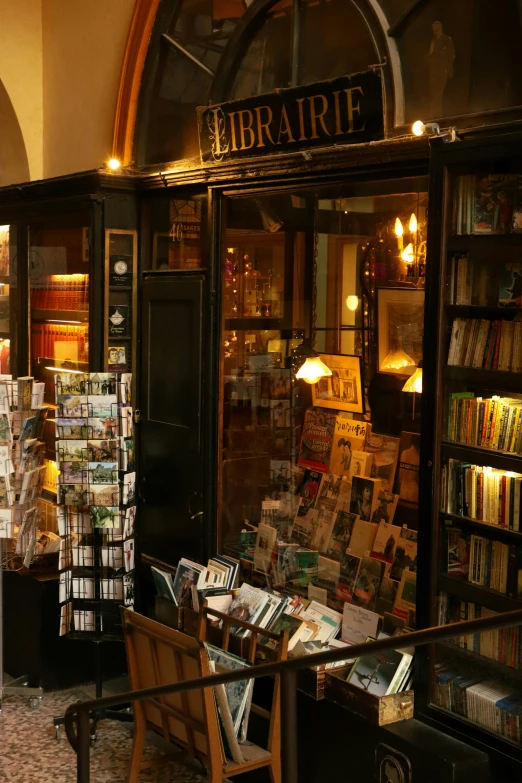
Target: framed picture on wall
[(400, 327), (342, 390)]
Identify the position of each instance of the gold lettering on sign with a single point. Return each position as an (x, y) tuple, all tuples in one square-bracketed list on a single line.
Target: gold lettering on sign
[(217, 133), (353, 108), (288, 129), (246, 129), (231, 116), (338, 129), (314, 115), (299, 102), (265, 125)]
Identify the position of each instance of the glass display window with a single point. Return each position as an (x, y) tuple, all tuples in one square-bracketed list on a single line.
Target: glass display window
[(59, 298), (322, 326)]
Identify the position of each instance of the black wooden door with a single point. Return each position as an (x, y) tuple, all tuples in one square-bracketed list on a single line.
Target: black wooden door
[(170, 498)]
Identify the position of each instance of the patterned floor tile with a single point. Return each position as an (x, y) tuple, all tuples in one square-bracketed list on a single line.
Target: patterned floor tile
[(29, 752)]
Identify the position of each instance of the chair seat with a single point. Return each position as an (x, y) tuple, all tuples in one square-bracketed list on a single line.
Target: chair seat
[(253, 755)]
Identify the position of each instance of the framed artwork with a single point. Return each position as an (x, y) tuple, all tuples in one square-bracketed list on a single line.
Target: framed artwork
[(400, 327), (342, 390)]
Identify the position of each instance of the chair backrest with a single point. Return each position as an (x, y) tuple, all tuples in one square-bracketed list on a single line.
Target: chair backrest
[(159, 655)]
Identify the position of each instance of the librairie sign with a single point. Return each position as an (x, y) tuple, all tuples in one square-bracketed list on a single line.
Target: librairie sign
[(346, 110)]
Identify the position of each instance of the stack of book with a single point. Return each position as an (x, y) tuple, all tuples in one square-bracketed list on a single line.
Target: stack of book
[(61, 292), (503, 645), (59, 342), (482, 493), (491, 704), (193, 583), (485, 562), (484, 344), (491, 423)]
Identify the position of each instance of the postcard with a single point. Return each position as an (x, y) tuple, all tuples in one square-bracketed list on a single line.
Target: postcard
[(102, 406), (104, 495), (105, 516)]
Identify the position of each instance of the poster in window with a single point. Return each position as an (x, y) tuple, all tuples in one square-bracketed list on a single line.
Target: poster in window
[(342, 390)]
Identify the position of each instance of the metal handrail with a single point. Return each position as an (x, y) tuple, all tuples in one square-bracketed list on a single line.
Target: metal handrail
[(78, 713)]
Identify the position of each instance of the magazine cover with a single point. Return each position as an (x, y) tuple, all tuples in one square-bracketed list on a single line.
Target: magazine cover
[(316, 440), (328, 491), (387, 504), (405, 554), (385, 452), (409, 461), (341, 534), (494, 198), (386, 542), (368, 583), (308, 490), (510, 284), (365, 492), (349, 436)]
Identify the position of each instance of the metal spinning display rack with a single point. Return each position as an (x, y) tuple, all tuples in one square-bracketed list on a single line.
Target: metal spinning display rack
[(96, 496), (18, 512)]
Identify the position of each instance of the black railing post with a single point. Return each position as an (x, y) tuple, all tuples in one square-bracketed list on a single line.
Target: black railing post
[(83, 739), (289, 725)]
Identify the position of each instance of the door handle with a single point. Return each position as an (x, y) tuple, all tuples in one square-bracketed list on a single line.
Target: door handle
[(198, 513)]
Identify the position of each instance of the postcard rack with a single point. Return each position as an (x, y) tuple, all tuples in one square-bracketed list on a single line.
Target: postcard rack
[(22, 472), (96, 506), (96, 496)]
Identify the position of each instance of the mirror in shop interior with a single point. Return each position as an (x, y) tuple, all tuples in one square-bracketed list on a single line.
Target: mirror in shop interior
[(332, 278)]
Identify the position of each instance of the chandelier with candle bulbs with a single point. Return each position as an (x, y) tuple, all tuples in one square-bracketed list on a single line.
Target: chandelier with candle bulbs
[(411, 249)]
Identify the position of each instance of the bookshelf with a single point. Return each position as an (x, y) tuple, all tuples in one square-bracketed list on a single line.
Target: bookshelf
[(471, 457)]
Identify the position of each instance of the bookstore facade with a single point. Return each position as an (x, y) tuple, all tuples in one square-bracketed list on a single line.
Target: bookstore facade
[(320, 309)]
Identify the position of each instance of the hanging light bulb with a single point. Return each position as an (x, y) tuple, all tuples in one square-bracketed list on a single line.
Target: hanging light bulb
[(399, 232), (312, 370), (407, 254), (352, 302), (413, 223)]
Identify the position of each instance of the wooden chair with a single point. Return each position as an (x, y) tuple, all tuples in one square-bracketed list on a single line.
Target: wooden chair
[(158, 655)]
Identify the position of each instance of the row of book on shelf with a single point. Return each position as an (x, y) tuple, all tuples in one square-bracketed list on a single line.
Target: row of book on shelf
[(470, 284), (60, 343), (61, 292), (96, 493), (487, 205), (503, 645), (484, 344), (482, 493), (484, 561), (491, 423)]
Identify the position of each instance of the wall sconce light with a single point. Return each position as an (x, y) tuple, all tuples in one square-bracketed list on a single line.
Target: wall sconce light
[(352, 303), (420, 128), (413, 223), (114, 164)]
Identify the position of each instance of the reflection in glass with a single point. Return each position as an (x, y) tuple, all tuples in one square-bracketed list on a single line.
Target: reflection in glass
[(59, 297), (316, 275)]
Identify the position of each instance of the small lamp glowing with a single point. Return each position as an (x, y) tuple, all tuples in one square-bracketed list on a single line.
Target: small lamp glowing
[(352, 302), (397, 360), (114, 164), (399, 232), (414, 384), (408, 254), (418, 128), (413, 223), (312, 370)]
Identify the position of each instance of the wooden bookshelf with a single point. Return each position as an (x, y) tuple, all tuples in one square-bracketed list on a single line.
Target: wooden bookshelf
[(458, 242), (497, 380), (477, 594), (474, 658), (480, 311), (502, 533), (503, 460), (38, 314)]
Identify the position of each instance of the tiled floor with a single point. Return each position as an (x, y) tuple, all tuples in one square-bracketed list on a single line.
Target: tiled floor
[(29, 752)]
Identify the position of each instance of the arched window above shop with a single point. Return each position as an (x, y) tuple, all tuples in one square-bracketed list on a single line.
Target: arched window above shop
[(209, 51)]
